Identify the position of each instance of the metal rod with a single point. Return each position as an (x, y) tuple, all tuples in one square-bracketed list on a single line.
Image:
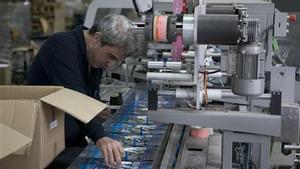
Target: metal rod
[(292, 147), (142, 24), (229, 95), (161, 65), (167, 92), (156, 65), (249, 122), (169, 76)]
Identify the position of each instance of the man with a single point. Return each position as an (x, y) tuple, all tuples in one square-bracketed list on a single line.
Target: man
[(75, 60)]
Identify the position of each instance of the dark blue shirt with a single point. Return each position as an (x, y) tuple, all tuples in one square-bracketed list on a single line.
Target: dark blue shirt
[(62, 61)]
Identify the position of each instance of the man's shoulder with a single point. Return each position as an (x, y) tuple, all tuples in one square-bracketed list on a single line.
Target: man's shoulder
[(63, 38)]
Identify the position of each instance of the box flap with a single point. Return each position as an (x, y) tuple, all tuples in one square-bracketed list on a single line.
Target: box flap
[(78, 105), (11, 141), (26, 92), (20, 115)]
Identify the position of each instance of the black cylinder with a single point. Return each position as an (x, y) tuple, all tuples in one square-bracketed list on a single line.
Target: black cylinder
[(149, 28), (217, 29), (171, 28), (220, 10)]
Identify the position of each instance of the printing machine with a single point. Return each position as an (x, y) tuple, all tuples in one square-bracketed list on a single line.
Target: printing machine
[(207, 53)]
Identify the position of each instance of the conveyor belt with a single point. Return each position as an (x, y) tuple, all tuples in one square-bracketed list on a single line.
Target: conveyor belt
[(147, 144), (140, 137)]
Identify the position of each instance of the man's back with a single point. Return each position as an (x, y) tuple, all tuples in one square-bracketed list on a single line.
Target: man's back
[(62, 61)]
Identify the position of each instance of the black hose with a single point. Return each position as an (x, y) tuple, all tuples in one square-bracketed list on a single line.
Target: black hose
[(212, 72), (136, 8)]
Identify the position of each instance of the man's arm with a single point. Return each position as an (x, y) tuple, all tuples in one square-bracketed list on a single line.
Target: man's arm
[(63, 69)]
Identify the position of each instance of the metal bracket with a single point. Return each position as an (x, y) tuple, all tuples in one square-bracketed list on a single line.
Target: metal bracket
[(275, 105)]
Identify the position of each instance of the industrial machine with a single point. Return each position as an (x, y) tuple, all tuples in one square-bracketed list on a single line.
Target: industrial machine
[(218, 52)]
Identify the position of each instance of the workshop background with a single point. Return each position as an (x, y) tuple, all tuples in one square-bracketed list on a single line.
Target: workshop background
[(21, 37), (25, 25)]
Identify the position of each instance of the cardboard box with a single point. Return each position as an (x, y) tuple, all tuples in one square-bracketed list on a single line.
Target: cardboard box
[(32, 123)]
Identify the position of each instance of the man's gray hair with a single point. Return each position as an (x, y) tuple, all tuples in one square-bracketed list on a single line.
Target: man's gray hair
[(116, 31)]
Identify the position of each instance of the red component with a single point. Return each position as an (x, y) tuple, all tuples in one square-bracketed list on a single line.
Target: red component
[(199, 132), (292, 18), (185, 6)]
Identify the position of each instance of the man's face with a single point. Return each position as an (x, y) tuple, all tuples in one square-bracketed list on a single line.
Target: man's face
[(106, 57)]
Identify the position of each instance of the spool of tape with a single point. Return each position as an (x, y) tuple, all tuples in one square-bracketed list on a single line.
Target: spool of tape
[(199, 132), (162, 24), (155, 18)]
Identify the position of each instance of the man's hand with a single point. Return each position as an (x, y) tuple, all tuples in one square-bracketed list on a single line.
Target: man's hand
[(105, 115), (112, 151)]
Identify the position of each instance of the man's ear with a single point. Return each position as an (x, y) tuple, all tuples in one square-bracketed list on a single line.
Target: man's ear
[(97, 37)]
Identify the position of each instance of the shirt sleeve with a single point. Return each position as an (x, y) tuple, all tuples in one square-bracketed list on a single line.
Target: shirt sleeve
[(63, 69)]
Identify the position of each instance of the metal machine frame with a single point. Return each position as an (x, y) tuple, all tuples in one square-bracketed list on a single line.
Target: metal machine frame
[(253, 125)]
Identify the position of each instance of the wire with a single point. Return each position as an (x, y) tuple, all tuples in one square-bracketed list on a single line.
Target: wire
[(248, 155), (221, 83), (241, 154), (212, 72), (189, 104), (205, 84), (136, 7)]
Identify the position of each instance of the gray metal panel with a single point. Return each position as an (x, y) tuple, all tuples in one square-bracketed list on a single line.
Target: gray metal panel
[(288, 6), (283, 79), (292, 42), (297, 91), (100, 4), (236, 1), (193, 152), (163, 5), (263, 150), (280, 24), (220, 10), (256, 123), (290, 120)]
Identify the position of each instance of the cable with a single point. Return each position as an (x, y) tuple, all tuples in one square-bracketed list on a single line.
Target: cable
[(248, 155), (189, 104), (241, 154), (221, 83), (136, 8), (212, 72), (275, 44)]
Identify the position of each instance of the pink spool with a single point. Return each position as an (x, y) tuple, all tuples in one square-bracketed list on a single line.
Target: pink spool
[(199, 132), (161, 27), (177, 49), (177, 6)]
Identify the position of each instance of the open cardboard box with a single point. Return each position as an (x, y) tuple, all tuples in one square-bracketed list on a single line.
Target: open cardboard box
[(32, 123)]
